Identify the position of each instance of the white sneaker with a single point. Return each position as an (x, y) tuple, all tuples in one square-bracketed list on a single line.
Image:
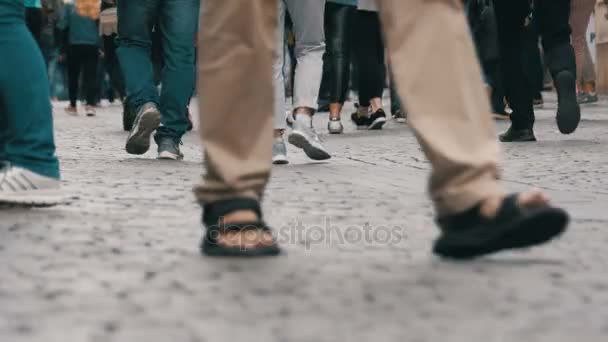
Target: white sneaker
[(279, 152), (305, 137), (90, 110), (22, 187)]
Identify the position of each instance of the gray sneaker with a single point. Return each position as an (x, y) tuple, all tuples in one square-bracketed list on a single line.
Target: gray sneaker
[(168, 149), (279, 152), (146, 122), (305, 137), (21, 187), (334, 126)]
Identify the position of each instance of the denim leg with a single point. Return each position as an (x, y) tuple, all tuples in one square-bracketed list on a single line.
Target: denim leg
[(134, 45), (178, 24), (26, 122)]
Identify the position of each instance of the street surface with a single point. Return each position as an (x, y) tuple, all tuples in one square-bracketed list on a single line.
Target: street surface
[(121, 263)]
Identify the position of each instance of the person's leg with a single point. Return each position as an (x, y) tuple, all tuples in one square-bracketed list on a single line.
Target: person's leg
[(552, 18), (90, 68), (178, 25), (74, 65), (279, 149), (370, 59), (25, 108), (239, 38), (134, 45), (510, 18), (340, 19), (579, 21), (307, 17), (279, 72), (457, 133)]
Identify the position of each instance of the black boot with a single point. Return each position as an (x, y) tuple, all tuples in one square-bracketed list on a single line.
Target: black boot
[(518, 135)]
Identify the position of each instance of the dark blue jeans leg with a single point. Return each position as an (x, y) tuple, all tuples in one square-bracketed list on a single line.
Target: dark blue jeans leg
[(134, 42), (178, 24)]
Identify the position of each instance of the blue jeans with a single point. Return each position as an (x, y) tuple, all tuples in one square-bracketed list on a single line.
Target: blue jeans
[(177, 21), (26, 120)]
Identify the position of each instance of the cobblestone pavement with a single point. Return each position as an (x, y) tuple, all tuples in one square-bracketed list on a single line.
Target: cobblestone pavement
[(121, 263)]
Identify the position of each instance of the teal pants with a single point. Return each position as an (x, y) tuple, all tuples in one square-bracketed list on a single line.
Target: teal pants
[(177, 21), (26, 121)]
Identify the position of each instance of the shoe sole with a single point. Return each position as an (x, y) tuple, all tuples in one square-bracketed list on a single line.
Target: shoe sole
[(32, 199), (280, 160), (377, 124), (533, 139), (537, 227), (213, 250), (169, 156), (568, 110), (299, 140), (139, 139)]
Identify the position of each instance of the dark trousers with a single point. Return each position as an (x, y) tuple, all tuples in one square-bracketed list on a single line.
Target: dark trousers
[(551, 20), (83, 58), (33, 19), (339, 20), (369, 52), (112, 67)]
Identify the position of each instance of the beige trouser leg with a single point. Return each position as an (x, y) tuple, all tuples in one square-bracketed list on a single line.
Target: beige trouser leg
[(439, 79), (237, 42)]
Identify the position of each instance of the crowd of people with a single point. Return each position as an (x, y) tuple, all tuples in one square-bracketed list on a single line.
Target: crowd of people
[(439, 59)]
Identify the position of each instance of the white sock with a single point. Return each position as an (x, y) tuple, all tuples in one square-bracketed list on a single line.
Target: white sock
[(304, 118)]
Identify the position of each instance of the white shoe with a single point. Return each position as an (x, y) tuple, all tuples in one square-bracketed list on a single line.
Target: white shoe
[(279, 152), (305, 137), (22, 187), (90, 110)]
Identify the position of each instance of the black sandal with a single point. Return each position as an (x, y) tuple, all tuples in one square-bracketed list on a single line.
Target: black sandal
[(212, 219), (469, 235)]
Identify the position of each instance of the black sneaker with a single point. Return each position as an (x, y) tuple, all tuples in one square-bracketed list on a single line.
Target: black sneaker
[(377, 120), (399, 116), (517, 135), (568, 111), (586, 98), (362, 122), (168, 149), (373, 122)]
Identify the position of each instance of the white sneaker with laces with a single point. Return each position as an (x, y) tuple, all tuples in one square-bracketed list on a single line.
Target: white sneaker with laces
[(22, 187)]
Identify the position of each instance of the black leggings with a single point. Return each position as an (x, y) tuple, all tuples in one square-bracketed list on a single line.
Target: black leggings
[(339, 22), (83, 57), (369, 52)]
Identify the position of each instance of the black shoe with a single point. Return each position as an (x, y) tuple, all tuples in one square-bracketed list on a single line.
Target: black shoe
[(469, 235), (517, 135), (373, 122), (568, 111), (586, 98), (399, 116), (377, 120), (362, 122)]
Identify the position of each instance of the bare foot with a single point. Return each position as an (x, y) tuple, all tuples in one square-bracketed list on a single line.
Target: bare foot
[(530, 199), (247, 239)]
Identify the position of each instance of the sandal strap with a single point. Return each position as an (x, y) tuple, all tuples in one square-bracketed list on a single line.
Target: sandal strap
[(214, 231), (213, 212), (508, 209)]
